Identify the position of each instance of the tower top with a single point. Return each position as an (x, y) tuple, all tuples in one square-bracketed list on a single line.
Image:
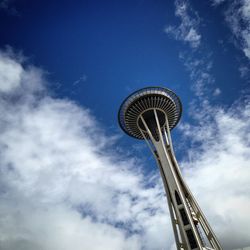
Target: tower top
[(162, 99)]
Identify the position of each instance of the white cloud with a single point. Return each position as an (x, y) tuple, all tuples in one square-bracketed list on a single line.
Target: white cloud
[(217, 92), (238, 18), (187, 31), (244, 71), (10, 74), (61, 185), (14, 79)]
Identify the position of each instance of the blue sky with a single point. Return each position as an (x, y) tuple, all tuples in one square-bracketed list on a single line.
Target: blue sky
[(65, 67), (96, 53)]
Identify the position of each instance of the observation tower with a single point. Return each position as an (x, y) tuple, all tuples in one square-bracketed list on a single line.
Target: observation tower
[(150, 114)]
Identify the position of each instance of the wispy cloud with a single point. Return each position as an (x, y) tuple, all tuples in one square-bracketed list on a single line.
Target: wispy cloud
[(216, 163), (238, 18), (244, 71), (82, 79), (217, 2), (7, 6), (196, 61), (199, 69), (217, 91), (187, 30)]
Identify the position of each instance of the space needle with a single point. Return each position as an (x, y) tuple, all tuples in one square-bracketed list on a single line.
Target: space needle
[(150, 114)]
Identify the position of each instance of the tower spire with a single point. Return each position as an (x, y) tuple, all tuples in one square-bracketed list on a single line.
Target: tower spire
[(150, 114)]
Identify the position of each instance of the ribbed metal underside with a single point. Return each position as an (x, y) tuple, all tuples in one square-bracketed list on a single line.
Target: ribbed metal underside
[(149, 98)]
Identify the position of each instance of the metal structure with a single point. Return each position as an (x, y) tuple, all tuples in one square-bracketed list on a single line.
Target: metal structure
[(150, 114)]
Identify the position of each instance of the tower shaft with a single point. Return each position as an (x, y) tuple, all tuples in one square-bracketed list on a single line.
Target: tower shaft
[(150, 114), (188, 221)]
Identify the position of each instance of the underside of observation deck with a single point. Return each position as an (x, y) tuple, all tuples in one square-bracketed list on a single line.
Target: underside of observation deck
[(166, 102)]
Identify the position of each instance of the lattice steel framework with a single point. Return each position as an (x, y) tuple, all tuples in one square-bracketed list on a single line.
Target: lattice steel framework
[(150, 114)]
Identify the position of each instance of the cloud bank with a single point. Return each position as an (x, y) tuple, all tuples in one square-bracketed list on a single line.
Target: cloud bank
[(187, 30), (60, 187)]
